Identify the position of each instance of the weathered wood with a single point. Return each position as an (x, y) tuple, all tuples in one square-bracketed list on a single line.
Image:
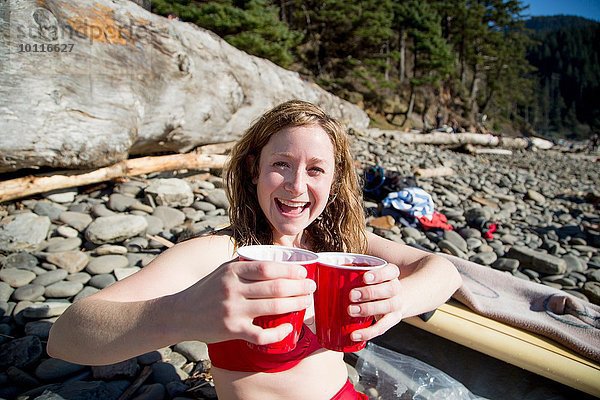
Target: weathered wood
[(121, 81), (542, 144), (479, 139), (144, 375), (165, 242), (216, 148), (432, 172), (30, 185), (480, 150)]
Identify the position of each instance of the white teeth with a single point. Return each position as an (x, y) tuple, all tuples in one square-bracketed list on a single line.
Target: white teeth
[(292, 203)]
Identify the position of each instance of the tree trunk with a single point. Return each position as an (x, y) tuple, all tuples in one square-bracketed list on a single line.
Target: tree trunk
[(415, 59), (486, 102), (388, 62), (426, 106), (472, 101), (491, 91), (402, 61), (411, 104), (463, 68), (283, 11)]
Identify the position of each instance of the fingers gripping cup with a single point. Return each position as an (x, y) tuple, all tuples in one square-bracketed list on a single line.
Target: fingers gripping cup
[(289, 255), (337, 275)]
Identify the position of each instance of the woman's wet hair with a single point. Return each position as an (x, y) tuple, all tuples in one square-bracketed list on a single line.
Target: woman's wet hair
[(341, 226)]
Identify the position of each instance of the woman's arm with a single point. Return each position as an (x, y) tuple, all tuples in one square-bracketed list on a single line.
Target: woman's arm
[(190, 292), (425, 282), (100, 332), (131, 316)]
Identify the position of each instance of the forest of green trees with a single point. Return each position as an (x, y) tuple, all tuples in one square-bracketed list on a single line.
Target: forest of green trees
[(473, 64)]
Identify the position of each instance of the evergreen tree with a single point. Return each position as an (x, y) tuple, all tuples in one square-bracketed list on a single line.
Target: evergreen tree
[(489, 43), (418, 30), (508, 83), (253, 26), (346, 44), (566, 54), (476, 52)]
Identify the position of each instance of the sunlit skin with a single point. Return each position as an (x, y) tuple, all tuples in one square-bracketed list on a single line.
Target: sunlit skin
[(295, 176), (212, 297)]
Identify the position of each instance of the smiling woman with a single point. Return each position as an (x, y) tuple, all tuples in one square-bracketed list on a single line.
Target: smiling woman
[(291, 134), (293, 188), (290, 180)]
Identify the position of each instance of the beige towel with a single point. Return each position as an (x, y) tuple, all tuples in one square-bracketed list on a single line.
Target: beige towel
[(531, 306)]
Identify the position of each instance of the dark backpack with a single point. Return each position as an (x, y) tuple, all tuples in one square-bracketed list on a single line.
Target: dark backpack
[(379, 183)]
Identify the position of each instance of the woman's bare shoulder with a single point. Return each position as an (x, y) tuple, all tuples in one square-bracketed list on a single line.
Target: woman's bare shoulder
[(216, 236), (218, 245)]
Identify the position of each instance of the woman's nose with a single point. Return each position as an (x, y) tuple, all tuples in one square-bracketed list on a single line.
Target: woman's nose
[(296, 183)]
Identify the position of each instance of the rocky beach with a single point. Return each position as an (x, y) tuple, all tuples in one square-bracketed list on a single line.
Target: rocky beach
[(59, 247)]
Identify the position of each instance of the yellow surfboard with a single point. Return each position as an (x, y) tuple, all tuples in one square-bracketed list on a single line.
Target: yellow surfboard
[(521, 348)]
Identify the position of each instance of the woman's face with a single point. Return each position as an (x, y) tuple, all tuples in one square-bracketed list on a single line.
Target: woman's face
[(295, 175)]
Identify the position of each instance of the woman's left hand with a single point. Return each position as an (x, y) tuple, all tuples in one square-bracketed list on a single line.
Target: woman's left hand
[(381, 298)]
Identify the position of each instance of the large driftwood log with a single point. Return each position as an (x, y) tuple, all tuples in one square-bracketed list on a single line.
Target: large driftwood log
[(30, 185), (88, 83), (479, 139)]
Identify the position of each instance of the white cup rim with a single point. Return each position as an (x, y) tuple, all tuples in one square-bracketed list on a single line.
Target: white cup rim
[(380, 262), (245, 249)]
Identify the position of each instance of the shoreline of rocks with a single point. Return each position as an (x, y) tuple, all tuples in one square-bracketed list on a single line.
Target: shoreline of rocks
[(60, 247), (544, 205)]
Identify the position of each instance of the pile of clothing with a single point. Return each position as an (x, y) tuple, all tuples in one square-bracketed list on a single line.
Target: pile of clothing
[(402, 199)]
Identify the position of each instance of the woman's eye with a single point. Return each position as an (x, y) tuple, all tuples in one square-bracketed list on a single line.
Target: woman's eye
[(281, 164), (318, 170)]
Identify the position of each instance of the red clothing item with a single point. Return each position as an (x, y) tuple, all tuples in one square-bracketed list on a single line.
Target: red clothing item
[(235, 355), (489, 234), (347, 392), (438, 220)]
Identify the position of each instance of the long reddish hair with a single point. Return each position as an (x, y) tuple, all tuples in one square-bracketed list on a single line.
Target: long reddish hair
[(341, 226)]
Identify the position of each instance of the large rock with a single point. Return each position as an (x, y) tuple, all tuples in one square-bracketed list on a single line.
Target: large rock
[(20, 352), (25, 231), (115, 228), (79, 390), (171, 192), (538, 261), (121, 80)]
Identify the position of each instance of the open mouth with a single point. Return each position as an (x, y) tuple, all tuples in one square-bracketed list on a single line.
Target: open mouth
[(291, 207)]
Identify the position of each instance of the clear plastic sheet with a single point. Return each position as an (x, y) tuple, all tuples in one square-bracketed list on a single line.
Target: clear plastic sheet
[(388, 375)]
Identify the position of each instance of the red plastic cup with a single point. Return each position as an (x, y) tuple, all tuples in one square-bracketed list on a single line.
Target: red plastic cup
[(288, 255), (337, 275)]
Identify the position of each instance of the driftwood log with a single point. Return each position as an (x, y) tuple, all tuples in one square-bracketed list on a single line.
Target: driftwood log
[(433, 172), (30, 185), (485, 150), (477, 139), (87, 83)]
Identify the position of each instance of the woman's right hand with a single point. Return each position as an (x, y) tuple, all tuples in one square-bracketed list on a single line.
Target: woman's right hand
[(190, 292), (223, 305)]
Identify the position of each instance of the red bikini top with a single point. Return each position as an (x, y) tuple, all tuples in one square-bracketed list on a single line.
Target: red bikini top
[(235, 355)]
